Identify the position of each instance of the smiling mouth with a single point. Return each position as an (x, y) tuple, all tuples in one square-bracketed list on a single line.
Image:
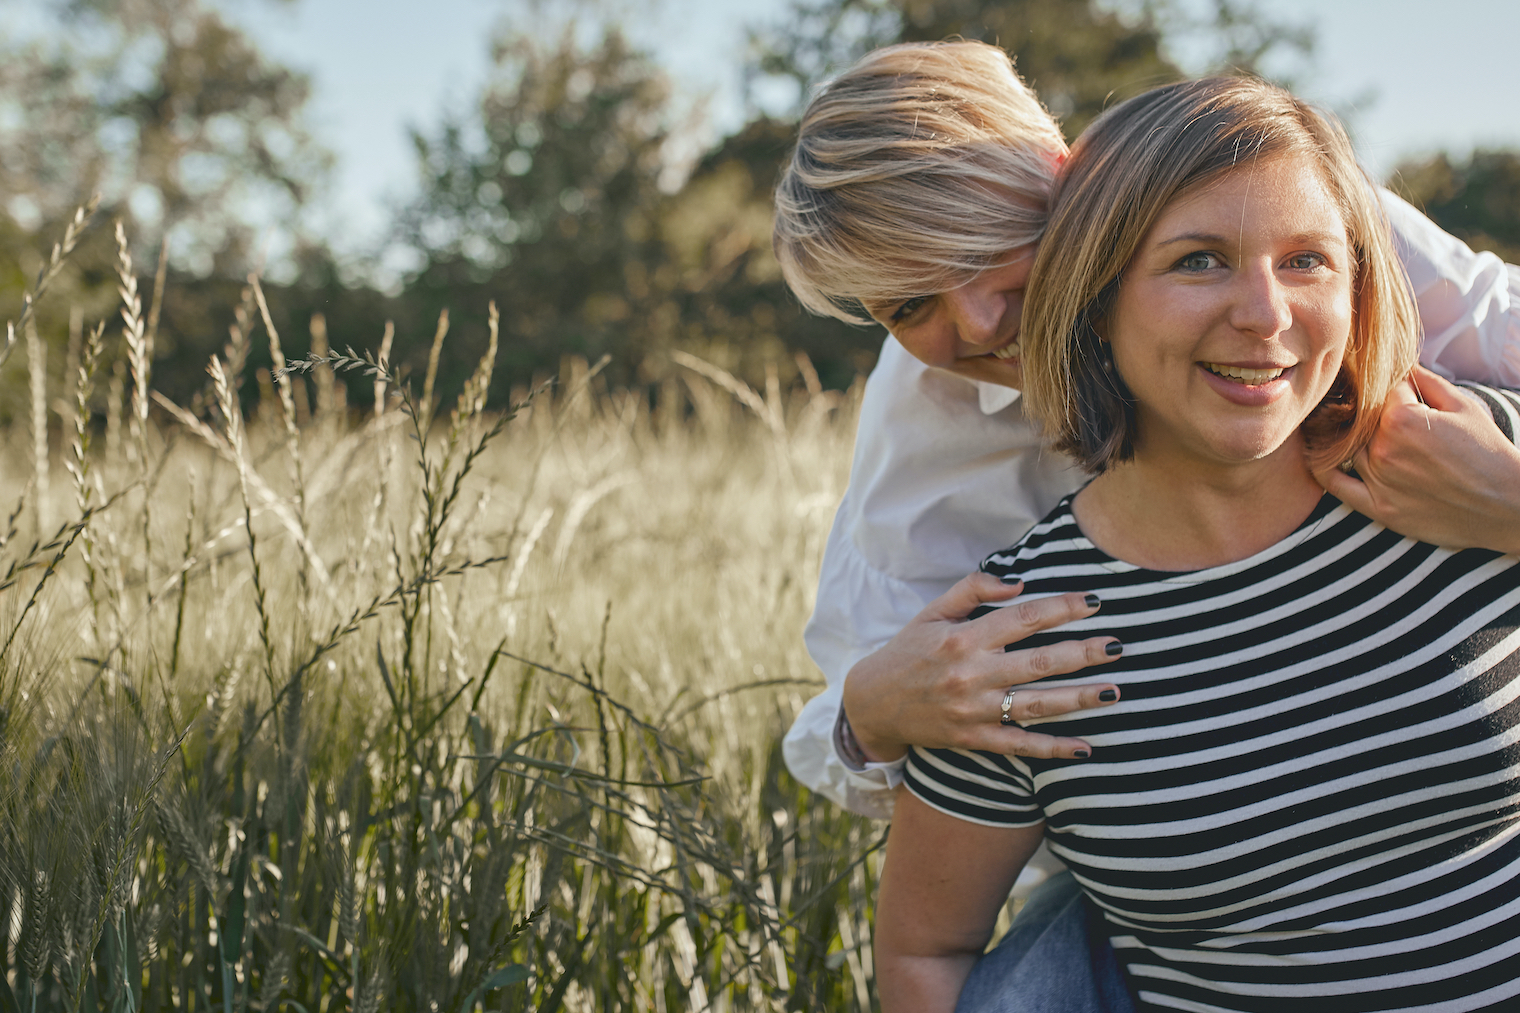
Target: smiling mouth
[(1242, 375), (1008, 351)]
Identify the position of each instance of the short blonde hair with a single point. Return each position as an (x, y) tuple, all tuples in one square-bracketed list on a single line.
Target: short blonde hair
[(1135, 160), (917, 168)]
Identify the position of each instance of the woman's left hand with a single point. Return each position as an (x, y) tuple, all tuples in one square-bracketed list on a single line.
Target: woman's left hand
[(1438, 470)]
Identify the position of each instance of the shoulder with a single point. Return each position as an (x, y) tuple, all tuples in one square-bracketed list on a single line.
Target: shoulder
[(1051, 542)]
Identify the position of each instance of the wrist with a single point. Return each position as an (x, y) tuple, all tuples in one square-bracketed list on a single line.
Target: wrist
[(864, 751)]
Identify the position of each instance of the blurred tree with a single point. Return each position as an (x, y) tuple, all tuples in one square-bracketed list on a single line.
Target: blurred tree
[(549, 204), (1477, 201), (556, 203), (184, 127), (166, 108), (734, 308)]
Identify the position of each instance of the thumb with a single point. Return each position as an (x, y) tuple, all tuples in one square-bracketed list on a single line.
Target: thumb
[(1349, 490), (967, 594)]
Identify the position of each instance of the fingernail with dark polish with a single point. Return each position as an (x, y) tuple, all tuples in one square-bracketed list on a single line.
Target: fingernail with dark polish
[(1108, 696), (1093, 601), (1113, 648), (1081, 754), (1009, 578)]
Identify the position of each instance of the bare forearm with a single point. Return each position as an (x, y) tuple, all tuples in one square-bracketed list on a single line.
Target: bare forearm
[(917, 984), (942, 885)]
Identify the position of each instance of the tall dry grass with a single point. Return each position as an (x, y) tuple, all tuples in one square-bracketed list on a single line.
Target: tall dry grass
[(413, 708)]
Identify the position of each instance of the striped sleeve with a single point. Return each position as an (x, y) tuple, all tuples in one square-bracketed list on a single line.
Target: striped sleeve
[(985, 788), (1503, 403)]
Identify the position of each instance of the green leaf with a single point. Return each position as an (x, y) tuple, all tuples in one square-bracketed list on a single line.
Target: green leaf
[(7, 997), (237, 904), (500, 978)]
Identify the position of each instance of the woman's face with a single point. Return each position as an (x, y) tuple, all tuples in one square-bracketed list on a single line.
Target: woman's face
[(1233, 316), (972, 330)]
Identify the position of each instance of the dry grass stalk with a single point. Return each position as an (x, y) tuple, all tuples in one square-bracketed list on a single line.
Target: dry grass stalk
[(139, 353), (48, 272), (36, 361), (460, 805), (116, 392), (425, 407), (329, 394)]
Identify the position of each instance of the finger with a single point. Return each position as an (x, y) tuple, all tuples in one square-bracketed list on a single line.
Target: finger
[(1348, 489), (1407, 392), (1015, 741), (1437, 391), (968, 594), (1026, 665), (1014, 622), (1034, 703)]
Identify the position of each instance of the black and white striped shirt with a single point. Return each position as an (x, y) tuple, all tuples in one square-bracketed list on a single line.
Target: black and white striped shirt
[(1308, 797)]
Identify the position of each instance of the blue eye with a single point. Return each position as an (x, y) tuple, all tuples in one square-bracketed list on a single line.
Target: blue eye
[(1198, 261), (1306, 261)]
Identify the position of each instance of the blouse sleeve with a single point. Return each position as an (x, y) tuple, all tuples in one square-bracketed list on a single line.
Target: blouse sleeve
[(938, 476), (1469, 302), (858, 609)]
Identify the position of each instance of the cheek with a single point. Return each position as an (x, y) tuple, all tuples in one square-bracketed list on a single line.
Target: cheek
[(1154, 336), (1333, 329), (920, 343)]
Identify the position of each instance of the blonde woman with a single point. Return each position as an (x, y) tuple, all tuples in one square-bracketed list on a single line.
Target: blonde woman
[(1308, 795), (916, 198)]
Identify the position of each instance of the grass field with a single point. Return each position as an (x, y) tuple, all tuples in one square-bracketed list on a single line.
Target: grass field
[(328, 708)]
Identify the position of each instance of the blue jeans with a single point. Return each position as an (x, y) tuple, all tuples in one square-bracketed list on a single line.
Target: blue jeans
[(1055, 959)]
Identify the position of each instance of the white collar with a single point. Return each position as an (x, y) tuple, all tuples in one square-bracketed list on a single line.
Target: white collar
[(994, 397)]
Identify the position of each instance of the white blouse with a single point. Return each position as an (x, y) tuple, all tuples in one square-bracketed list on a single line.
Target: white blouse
[(946, 470)]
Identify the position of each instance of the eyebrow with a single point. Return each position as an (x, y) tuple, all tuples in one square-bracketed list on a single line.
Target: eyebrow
[(1193, 237), (1213, 239)]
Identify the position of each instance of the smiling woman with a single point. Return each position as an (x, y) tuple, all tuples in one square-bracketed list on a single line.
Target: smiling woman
[(1229, 329), (1306, 796), (1252, 279)]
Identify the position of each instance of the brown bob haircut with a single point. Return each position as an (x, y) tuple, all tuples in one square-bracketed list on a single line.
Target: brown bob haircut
[(1135, 160)]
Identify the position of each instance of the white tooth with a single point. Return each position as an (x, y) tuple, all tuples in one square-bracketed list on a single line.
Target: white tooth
[(1248, 376), (1008, 351)]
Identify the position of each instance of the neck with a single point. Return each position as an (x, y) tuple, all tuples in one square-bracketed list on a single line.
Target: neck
[(1169, 514)]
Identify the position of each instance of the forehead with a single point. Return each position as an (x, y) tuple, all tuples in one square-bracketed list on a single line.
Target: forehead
[(1289, 193)]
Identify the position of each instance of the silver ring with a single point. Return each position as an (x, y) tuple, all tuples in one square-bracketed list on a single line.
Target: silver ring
[(1007, 718)]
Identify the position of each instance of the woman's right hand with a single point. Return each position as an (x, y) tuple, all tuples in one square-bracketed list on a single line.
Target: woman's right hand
[(940, 682)]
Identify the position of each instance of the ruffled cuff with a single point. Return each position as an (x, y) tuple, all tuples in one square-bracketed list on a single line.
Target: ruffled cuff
[(854, 758)]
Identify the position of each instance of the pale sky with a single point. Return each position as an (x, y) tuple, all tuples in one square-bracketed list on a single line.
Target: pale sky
[(1410, 76)]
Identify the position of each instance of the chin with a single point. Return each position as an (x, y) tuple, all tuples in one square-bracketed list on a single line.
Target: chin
[(1003, 372), (1243, 448)]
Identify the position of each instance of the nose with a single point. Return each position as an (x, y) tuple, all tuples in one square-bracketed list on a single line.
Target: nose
[(1261, 305), (976, 312)]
